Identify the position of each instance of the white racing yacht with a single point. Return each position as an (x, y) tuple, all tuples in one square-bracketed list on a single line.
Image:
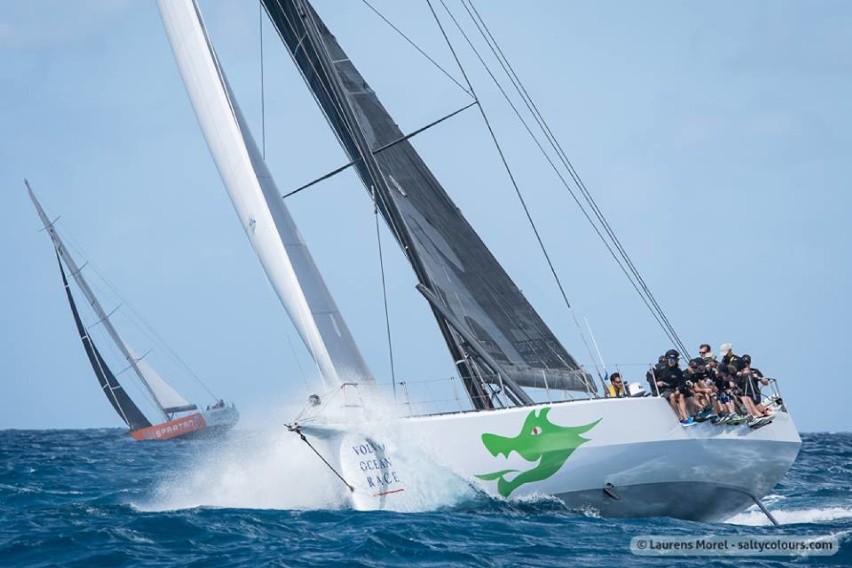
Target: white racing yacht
[(623, 457)]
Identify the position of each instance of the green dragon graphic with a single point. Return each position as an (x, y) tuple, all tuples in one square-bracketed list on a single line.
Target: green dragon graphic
[(539, 439)]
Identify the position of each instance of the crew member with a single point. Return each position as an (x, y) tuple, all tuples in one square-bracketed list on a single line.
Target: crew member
[(616, 386)]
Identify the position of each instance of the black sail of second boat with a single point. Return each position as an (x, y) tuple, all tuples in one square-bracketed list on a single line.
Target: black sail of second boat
[(479, 308), (126, 408)]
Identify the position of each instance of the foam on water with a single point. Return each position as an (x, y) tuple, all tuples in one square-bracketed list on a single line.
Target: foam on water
[(755, 517), (364, 417), (275, 469), (264, 470)]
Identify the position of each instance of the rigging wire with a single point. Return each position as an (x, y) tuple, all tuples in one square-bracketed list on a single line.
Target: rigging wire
[(137, 321), (510, 173), (146, 327), (377, 151), (340, 114), (297, 430), (263, 155), (564, 183), (384, 291), (262, 90), (415, 46), (634, 276), (533, 108), (108, 346), (672, 337)]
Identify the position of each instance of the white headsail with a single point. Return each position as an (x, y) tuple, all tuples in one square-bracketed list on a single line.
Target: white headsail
[(169, 399), (271, 230)]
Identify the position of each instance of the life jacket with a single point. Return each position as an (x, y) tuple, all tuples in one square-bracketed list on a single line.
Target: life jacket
[(614, 391)]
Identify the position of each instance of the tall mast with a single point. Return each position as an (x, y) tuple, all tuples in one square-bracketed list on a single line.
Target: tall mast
[(103, 317)]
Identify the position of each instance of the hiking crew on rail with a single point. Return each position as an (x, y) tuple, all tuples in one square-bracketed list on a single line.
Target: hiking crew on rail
[(724, 392)]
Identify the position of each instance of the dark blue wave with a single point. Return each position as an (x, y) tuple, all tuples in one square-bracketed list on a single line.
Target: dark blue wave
[(96, 498)]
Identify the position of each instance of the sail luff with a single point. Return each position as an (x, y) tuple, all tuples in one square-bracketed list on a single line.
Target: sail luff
[(103, 317), (272, 232)]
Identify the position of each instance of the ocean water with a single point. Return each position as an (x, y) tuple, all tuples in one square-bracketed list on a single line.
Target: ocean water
[(96, 498)]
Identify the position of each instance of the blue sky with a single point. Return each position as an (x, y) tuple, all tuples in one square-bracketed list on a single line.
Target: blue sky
[(716, 138)]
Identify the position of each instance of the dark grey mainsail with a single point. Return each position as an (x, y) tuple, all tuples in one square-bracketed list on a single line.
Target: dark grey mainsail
[(486, 320), (126, 408)]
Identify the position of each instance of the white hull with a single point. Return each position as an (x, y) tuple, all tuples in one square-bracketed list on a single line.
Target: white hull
[(653, 465), (221, 420)]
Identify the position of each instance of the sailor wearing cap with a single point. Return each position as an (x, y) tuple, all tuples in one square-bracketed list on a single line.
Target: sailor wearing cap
[(726, 352), (673, 375)]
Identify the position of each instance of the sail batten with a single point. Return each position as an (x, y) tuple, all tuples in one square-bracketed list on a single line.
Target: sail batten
[(447, 255), (273, 234)]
